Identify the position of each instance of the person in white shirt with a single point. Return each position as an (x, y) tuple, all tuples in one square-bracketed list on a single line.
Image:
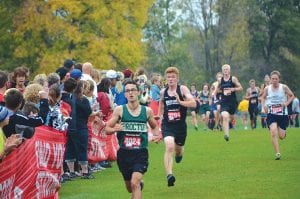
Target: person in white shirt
[(87, 75), (275, 99)]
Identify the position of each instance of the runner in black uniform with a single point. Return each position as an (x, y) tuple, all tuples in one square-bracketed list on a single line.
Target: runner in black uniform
[(228, 85), (205, 102), (173, 105), (216, 100), (194, 111), (130, 123), (252, 94)]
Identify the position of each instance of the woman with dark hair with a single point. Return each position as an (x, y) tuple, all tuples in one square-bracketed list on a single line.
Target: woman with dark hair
[(77, 145), (103, 98), (19, 78)]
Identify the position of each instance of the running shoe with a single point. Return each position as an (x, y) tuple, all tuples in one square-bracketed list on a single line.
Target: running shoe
[(171, 180), (178, 158), (65, 177), (196, 127), (226, 137), (277, 156), (87, 176), (72, 175)]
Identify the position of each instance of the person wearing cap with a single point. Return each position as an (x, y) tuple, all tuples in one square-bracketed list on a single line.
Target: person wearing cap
[(117, 88), (128, 74), (3, 83), (87, 75), (76, 74), (64, 70), (4, 119), (69, 64)]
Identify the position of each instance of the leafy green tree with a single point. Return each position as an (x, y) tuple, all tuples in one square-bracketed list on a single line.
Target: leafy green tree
[(105, 33), (274, 27)]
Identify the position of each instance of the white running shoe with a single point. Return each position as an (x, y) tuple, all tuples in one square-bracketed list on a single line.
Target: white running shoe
[(277, 156)]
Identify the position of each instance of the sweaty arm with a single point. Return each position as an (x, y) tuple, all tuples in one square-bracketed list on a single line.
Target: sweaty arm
[(216, 88), (247, 96), (161, 104), (189, 100), (112, 125), (238, 86), (289, 94), (153, 125)]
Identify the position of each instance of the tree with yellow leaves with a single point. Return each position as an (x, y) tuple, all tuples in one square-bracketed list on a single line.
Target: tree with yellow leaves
[(107, 33)]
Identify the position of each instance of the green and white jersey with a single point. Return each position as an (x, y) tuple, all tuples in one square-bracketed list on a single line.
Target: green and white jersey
[(135, 130)]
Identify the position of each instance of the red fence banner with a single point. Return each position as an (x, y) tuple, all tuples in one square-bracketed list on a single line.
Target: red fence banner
[(33, 169), (97, 147), (101, 146)]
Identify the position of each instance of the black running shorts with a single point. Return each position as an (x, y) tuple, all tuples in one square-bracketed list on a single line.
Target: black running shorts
[(229, 107), (130, 161), (281, 120), (176, 130)]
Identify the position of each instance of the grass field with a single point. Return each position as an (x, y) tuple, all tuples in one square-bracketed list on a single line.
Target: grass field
[(211, 168)]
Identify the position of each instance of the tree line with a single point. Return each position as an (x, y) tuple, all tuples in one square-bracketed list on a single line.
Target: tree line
[(253, 36), (198, 36)]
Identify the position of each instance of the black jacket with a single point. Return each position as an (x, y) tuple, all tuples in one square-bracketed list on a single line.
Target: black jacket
[(27, 121)]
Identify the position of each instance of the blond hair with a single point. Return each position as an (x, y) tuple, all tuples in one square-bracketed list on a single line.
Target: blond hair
[(40, 79), (226, 66), (155, 78), (31, 93), (251, 80)]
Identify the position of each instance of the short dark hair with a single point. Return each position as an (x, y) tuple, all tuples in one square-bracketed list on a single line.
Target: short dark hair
[(13, 98), (3, 78), (78, 66), (20, 71), (70, 85), (130, 81)]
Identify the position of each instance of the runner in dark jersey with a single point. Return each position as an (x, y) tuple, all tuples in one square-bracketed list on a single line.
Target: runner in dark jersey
[(228, 86), (204, 104), (174, 101), (216, 100), (252, 94), (130, 123), (275, 99), (194, 111)]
